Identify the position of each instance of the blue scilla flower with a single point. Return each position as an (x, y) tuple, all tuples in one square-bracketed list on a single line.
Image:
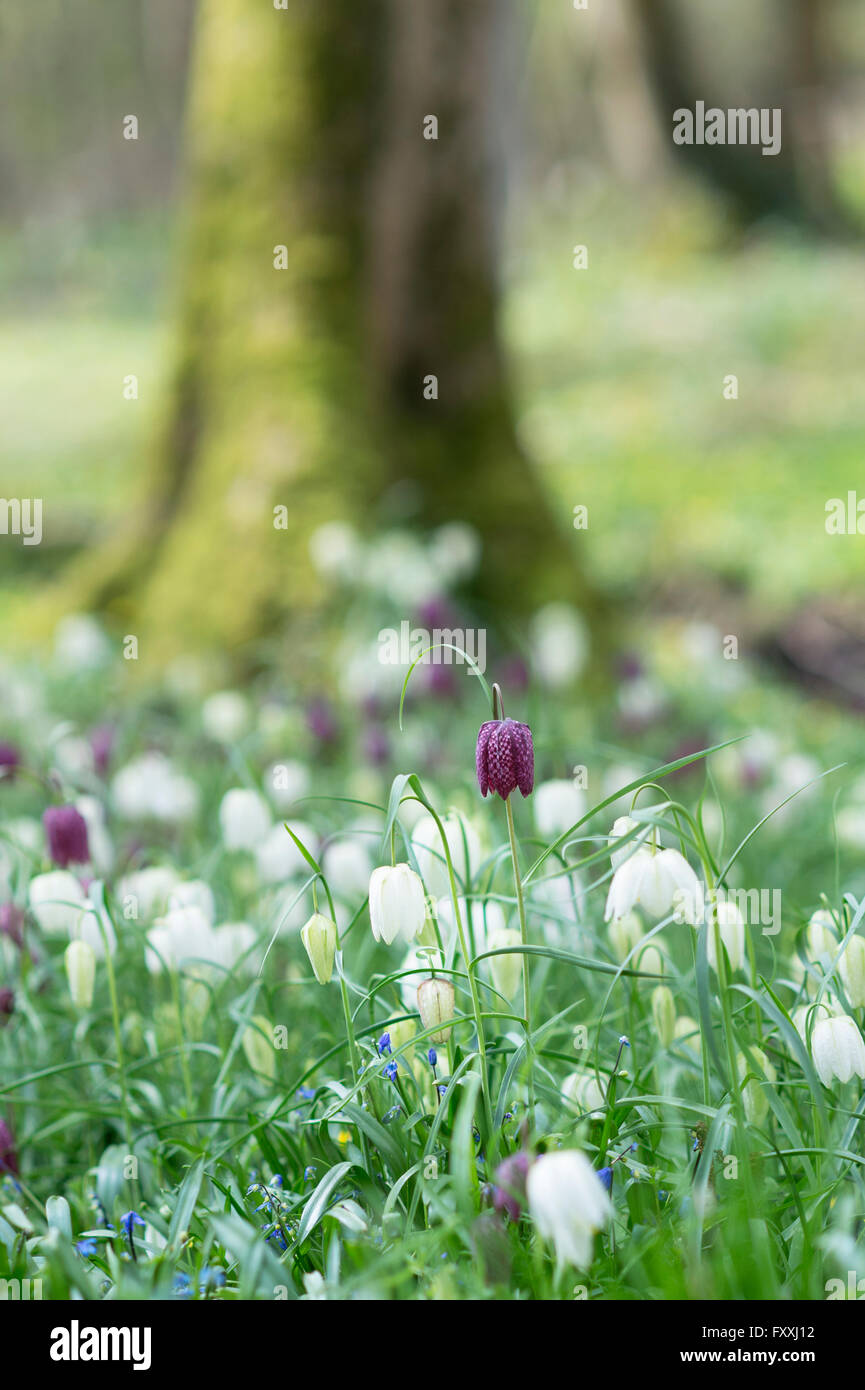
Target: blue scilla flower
[(129, 1221), (275, 1235), (433, 1056), (309, 1173), (390, 1071), (623, 1041), (606, 1176), (181, 1285), (306, 1092), (86, 1247), (383, 1045)]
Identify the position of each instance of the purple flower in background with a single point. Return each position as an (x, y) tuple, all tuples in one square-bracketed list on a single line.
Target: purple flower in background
[(66, 833), (505, 757), (376, 746), (514, 674), (8, 1155), (509, 1191), (9, 760), (12, 923), (7, 1005), (321, 720), (441, 679), (102, 745)]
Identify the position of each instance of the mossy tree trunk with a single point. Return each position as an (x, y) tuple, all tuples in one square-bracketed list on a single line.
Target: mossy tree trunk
[(303, 386)]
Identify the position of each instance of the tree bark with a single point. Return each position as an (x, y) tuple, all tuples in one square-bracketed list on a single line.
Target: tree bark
[(303, 386)]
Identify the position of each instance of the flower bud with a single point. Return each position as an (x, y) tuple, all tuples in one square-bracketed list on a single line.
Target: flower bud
[(852, 969), (753, 1090), (626, 932), (319, 941), (507, 971), (258, 1046), (80, 960), (664, 1014), (435, 1002), (397, 906)]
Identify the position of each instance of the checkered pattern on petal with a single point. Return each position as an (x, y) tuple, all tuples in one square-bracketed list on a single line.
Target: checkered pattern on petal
[(505, 757)]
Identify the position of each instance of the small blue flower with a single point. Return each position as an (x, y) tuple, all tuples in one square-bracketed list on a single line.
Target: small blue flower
[(606, 1176), (309, 1173), (86, 1247), (433, 1056), (129, 1221), (383, 1045), (623, 1041), (305, 1092), (390, 1071)]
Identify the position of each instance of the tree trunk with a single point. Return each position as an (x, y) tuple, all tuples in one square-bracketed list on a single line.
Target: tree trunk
[(761, 187), (304, 386)]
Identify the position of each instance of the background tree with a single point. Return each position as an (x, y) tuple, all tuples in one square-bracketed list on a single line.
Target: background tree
[(303, 386)]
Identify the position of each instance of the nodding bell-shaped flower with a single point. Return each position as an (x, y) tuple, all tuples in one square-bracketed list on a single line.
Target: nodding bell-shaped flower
[(820, 935), (664, 1014), (837, 1049), (569, 1203), (435, 1003), (319, 938), (505, 757), (397, 905), (66, 833), (80, 959), (661, 882), (258, 1046), (731, 928), (852, 970), (753, 1091), (509, 1191)]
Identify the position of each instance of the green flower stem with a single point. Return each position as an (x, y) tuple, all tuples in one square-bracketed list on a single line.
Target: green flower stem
[(521, 910), (473, 989)]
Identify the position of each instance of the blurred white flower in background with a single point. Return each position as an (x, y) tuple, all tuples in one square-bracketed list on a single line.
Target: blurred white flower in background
[(455, 553), (583, 1090), (347, 866), (98, 838), (226, 716), (56, 901), (559, 645), (463, 844), (336, 552), (80, 644), (278, 858), (399, 564), (287, 782), (151, 788), (145, 892), (557, 805), (193, 893), (245, 819)]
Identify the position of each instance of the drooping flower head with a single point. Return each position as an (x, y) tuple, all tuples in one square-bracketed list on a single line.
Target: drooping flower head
[(509, 1191), (66, 833), (505, 757), (9, 760)]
